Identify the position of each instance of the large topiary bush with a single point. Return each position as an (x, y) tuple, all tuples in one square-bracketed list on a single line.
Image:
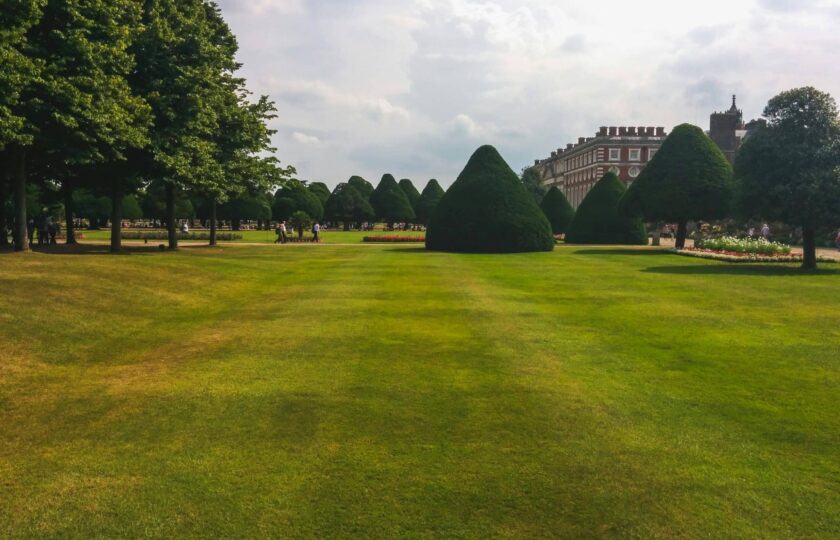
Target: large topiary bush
[(410, 192), (488, 210), (557, 209), (599, 221)]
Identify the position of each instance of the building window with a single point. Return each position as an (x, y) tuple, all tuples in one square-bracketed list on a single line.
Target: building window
[(615, 170), (651, 152), (634, 172), (635, 154), (615, 154)]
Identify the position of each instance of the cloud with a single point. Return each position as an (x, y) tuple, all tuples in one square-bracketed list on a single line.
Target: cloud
[(413, 87), (303, 138)]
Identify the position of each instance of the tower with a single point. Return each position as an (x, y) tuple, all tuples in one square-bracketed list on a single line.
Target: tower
[(723, 127)]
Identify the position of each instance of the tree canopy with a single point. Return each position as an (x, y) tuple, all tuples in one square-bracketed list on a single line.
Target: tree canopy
[(488, 209), (790, 170), (533, 181), (410, 192), (296, 197), (688, 179), (364, 187), (390, 202), (429, 199), (598, 219), (557, 209), (320, 190), (347, 205)]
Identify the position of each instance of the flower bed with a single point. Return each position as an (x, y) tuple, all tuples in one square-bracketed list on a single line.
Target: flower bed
[(739, 257), (386, 239), (731, 244)]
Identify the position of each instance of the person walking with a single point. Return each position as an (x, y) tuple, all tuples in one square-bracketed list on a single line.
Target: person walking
[(52, 230), (315, 230), (43, 228), (765, 231), (30, 232), (281, 233)]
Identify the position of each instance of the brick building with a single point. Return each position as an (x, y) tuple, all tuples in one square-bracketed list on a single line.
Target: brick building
[(728, 130), (622, 150)]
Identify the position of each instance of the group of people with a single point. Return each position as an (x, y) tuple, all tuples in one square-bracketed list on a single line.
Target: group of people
[(47, 228), (765, 232), (282, 236)]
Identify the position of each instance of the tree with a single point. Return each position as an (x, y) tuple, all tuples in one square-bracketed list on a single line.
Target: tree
[(410, 192), (790, 170), (246, 207), (688, 179), (347, 205), (488, 210), (557, 209), (598, 219), (429, 199), (294, 197), (390, 202), (320, 190), (364, 187), (77, 107), (300, 221), (533, 181), (153, 203)]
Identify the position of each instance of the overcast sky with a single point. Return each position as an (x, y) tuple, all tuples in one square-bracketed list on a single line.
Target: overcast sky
[(412, 87)]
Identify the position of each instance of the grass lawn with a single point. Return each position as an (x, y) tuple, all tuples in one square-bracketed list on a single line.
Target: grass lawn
[(268, 237), (384, 391)]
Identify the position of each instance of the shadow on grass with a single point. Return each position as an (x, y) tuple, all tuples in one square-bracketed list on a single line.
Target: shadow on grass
[(619, 251), (742, 269), (96, 249)]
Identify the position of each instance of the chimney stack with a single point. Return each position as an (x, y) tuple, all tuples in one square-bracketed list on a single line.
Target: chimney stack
[(602, 132), (660, 132), (622, 131), (613, 131)]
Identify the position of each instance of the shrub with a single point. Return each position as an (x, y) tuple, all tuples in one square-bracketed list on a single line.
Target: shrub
[(390, 202), (488, 210), (599, 221), (163, 235), (732, 244), (346, 205), (429, 199), (364, 187), (410, 192), (391, 239), (557, 209)]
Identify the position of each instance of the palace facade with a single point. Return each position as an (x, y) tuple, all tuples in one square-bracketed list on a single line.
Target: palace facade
[(622, 150)]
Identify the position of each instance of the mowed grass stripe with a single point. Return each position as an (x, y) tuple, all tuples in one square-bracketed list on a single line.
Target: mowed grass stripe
[(388, 391)]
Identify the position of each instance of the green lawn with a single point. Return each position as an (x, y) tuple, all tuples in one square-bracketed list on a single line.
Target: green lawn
[(384, 391), (268, 237)]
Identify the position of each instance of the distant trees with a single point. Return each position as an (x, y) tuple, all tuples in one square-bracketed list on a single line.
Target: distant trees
[(295, 196), (533, 181), (599, 221), (390, 203), (364, 187), (320, 190), (247, 206), (429, 199), (557, 209), (488, 209), (410, 192), (346, 205), (688, 179), (790, 170)]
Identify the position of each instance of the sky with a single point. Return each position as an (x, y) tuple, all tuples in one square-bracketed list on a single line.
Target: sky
[(413, 87)]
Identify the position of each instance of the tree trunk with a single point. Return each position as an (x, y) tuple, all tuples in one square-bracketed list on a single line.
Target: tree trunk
[(682, 227), (171, 233), (20, 233), (4, 181), (116, 217), (68, 214), (234, 224), (213, 222), (809, 249), (346, 225)]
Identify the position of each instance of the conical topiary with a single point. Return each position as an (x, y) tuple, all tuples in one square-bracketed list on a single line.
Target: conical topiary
[(390, 203), (429, 199), (411, 192), (557, 209), (488, 210), (599, 221), (364, 187)]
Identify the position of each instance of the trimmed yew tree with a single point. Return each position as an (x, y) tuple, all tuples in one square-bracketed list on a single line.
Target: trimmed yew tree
[(296, 197), (390, 202), (557, 209), (320, 190), (598, 219), (429, 199), (688, 179), (488, 210), (411, 192), (347, 205), (361, 185), (533, 181), (790, 170)]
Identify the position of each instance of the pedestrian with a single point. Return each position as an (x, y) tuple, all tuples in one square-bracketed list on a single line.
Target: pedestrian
[(315, 230), (281, 233), (765, 231), (52, 231), (30, 232), (751, 232), (43, 228)]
